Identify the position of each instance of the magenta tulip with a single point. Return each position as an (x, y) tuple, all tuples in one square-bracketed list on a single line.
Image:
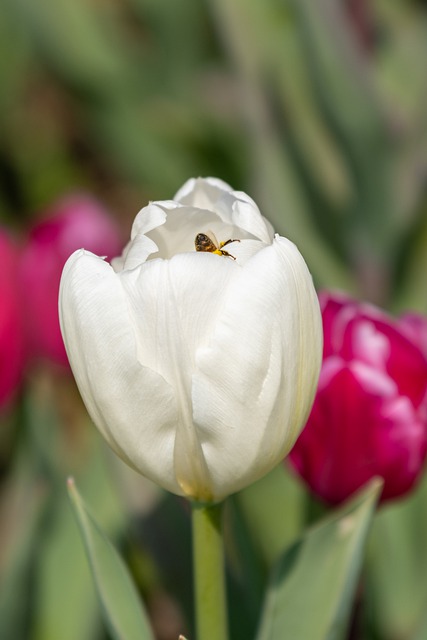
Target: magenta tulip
[(415, 327), (11, 330), (369, 417), (75, 221)]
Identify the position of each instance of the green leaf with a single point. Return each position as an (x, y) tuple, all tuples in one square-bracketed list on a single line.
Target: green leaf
[(94, 62), (318, 574), (422, 631), (64, 585), (23, 508), (122, 608), (397, 567), (413, 267), (276, 184), (274, 510), (359, 117)]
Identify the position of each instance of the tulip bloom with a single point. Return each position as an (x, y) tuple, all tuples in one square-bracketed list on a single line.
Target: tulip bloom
[(415, 327), (198, 367), (75, 221), (11, 330), (369, 417)]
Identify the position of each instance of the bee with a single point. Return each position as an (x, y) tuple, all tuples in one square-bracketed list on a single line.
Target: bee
[(210, 244)]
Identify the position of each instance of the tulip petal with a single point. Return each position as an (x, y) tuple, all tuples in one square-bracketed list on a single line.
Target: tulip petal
[(335, 453), (257, 376), (240, 210), (132, 405), (389, 347), (201, 192), (174, 313), (193, 350), (234, 208), (183, 224)]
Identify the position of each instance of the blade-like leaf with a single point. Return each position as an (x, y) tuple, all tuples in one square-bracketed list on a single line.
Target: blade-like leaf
[(312, 585), (422, 631), (397, 567), (276, 183), (64, 585), (122, 608), (23, 508), (273, 509)]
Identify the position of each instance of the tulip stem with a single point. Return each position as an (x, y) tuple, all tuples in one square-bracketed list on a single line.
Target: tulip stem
[(209, 573)]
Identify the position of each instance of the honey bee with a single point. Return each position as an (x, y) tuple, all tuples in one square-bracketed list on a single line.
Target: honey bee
[(210, 244)]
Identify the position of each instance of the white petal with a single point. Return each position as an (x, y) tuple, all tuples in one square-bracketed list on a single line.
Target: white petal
[(240, 210), (244, 250), (150, 217), (141, 247), (174, 306), (118, 262), (235, 208), (201, 192), (136, 253), (257, 377), (132, 405), (179, 233)]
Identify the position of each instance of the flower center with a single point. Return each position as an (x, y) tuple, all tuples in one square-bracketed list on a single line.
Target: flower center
[(203, 242)]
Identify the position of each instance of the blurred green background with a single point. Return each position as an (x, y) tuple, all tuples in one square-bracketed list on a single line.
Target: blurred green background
[(318, 110)]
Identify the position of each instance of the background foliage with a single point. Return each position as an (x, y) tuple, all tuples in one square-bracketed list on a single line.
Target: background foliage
[(318, 110)]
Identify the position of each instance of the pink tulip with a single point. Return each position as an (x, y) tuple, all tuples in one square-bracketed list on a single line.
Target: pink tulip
[(74, 222), (11, 330), (369, 417), (415, 327)]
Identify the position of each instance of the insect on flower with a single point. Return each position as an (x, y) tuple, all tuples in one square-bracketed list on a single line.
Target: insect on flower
[(210, 244), (174, 424)]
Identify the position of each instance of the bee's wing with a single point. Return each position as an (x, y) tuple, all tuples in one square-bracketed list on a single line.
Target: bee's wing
[(213, 237)]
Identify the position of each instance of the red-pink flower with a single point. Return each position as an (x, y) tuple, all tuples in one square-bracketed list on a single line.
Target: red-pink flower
[(11, 331), (76, 221), (415, 327), (369, 417)]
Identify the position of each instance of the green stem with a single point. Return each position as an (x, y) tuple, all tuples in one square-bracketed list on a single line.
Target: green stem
[(209, 575)]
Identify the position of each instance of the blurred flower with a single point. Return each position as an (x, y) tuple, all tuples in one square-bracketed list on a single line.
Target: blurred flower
[(415, 327), (198, 368), (11, 331), (361, 15), (71, 223), (369, 415)]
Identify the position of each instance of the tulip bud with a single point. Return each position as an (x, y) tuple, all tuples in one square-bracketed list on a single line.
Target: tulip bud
[(369, 415), (75, 221), (198, 354), (11, 331)]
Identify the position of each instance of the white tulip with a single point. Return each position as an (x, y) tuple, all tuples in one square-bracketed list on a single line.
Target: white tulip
[(198, 368)]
